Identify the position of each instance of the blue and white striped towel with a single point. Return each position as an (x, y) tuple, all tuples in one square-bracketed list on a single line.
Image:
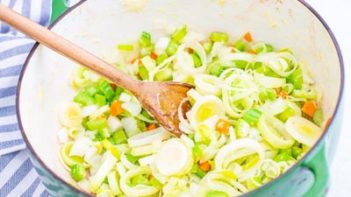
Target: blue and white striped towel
[(17, 175)]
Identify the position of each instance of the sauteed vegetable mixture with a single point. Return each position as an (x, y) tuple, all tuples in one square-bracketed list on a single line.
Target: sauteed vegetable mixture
[(255, 112)]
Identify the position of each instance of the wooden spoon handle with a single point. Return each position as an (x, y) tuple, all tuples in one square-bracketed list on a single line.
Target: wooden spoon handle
[(68, 49)]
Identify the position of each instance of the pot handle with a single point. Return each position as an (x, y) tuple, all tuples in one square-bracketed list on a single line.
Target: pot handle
[(319, 167), (58, 7)]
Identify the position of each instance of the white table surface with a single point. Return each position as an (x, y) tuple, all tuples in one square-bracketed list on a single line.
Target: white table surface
[(337, 13)]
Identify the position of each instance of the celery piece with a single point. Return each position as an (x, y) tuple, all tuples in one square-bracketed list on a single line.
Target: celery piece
[(179, 34), (78, 172), (125, 47), (252, 116), (216, 194), (97, 124), (160, 58), (119, 137), (145, 39), (101, 134), (118, 92), (132, 159), (100, 100), (240, 45), (318, 117), (296, 78), (83, 98), (164, 75), (197, 152), (216, 69), (286, 114), (172, 47), (196, 60), (208, 46), (284, 155), (143, 72), (242, 64), (219, 37), (296, 152), (107, 90), (197, 171), (91, 90)]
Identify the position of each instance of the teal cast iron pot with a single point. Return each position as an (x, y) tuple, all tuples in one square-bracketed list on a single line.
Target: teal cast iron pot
[(99, 25)]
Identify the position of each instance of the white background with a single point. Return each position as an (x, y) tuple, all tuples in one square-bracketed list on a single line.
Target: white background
[(337, 13)]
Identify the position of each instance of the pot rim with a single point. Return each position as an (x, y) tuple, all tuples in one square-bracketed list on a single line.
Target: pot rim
[(79, 191)]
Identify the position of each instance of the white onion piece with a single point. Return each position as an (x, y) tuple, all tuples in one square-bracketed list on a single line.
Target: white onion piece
[(132, 107), (80, 147), (148, 137), (303, 130), (114, 123), (103, 171), (130, 126), (124, 97), (173, 158), (161, 45), (88, 110), (99, 112)]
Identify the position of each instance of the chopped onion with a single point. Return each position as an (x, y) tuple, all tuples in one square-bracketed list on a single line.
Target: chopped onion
[(158, 134), (132, 107), (114, 123)]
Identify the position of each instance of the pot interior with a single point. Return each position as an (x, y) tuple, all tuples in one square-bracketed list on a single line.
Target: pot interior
[(99, 25)]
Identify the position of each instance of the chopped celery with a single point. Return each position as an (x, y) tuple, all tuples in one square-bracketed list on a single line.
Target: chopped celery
[(196, 60), (164, 75), (161, 58), (78, 172), (268, 94), (107, 90), (197, 152), (132, 159), (125, 47), (145, 40), (252, 116), (100, 100), (118, 92), (216, 194), (219, 37), (216, 69), (91, 90), (143, 72), (119, 137), (296, 152), (179, 34), (296, 78), (97, 124), (284, 155), (84, 99), (208, 46), (172, 47), (318, 117), (102, 134), (240, 45), (197, 171)]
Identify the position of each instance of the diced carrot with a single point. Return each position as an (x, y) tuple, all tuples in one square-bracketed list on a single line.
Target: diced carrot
[(283, 94), (252, 51), (248, 37), (190, 50), (151, 127), (113, 86), (116, 108), (222, 126), (153, 55), (205, 166), (309, 107)]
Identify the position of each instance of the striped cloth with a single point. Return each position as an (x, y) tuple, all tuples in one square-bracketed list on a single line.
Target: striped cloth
[(17, 175)]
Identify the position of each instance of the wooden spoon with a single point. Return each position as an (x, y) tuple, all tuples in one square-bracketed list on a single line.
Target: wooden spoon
[(161, 99)]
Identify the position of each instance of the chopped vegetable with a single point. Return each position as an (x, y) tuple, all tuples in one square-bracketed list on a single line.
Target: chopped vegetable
[(222, 126), (205, 166), (78, 172), (219, 37), (116, 108), (248, 37), (309, 108)]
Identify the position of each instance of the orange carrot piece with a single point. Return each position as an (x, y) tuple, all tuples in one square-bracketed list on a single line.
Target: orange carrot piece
[(283, 94), (205, 166), (116, 108), (153, 55), (252, 52), (248, 37), (222, 126), (151, 127), (309, 107)]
